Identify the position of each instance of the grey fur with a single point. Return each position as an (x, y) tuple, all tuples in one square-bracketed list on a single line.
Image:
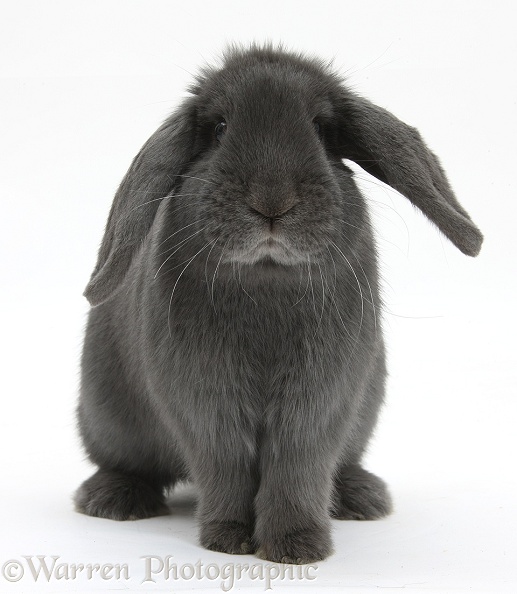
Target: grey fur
[(235, 339)]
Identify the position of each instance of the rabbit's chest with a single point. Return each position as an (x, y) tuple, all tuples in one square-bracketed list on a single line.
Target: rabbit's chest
[(260, 349), (260, 344)]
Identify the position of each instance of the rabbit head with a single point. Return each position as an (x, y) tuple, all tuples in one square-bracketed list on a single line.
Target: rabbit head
[(252, 162)]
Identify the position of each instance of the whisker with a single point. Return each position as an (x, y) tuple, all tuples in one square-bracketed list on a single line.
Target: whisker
[(352, 71), (378, 237), (176, 284), (386, 190), (312, 287), (333, 300), (332, 297), (358, 285), (177, 248), (372, 303), (215, 272), (206, 263), (183, 240), (349, 224), (149, 202), (192, 177), (178, 231), (240, 283), (306, 287), (322, 300), (412, 317), (335, 269), (180, 264), (178, 207)]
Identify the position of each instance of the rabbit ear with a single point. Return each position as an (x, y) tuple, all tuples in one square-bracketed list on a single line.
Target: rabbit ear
[(396, 154), (152, 176)]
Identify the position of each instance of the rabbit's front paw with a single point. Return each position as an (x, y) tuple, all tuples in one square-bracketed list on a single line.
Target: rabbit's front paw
[(300, 547), (228, 537)]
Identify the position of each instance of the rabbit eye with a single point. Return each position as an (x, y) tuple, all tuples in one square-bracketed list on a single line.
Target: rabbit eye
[(220, 130), (317, 127)]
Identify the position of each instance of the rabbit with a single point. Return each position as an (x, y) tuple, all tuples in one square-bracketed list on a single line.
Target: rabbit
[(234, 338)]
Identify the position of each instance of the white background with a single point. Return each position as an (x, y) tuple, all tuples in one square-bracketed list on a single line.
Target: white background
[(82, 85)]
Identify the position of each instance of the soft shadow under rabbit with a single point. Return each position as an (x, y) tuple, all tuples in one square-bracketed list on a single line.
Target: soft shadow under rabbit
[(235, 337)]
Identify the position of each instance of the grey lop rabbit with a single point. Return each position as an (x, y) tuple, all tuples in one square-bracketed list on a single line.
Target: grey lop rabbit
[(234, 338)]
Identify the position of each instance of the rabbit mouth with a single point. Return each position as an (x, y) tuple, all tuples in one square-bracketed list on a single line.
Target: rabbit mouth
[(270, 249)]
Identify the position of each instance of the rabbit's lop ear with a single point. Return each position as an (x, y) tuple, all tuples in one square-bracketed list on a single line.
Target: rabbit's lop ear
[(396, 154), (152, 176)]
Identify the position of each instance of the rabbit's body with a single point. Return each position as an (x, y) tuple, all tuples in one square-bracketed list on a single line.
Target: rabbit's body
[(242, 347)]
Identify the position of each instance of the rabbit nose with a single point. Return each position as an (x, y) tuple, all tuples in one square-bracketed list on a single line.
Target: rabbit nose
[(271, 211)]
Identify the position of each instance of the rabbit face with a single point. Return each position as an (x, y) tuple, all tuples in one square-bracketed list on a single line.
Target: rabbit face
[(266, 184)]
